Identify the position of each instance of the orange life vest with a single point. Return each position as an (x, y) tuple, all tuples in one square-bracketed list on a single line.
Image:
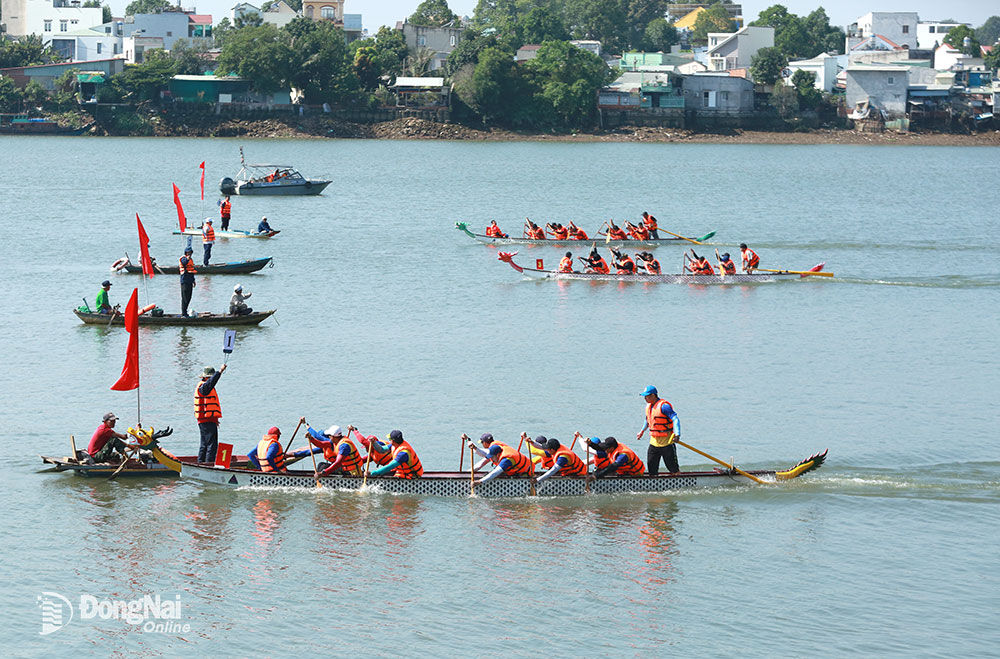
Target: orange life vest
[(566, 264), (208, 234), (728, 267), (617, 234), (522, 465), (578, 234), (750, 258), (262, 448), (652, 267), (641, 233), (189, 267), (704, 268), (410, 469), (601, 463), (575, 466), (352, 463), (649, 222), (537, 234), (206, 408), (633, 465), (601, 266), (660, 425), (226, 209), (560, 233), (626, 266)]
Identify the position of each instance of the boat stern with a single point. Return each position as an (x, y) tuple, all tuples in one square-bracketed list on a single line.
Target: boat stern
[(811, 463)]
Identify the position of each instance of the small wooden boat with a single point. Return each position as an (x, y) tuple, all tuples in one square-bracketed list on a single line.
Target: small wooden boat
[(229, 233), (201, 320), (80, 467), (458, 484), (599, 240), (22, 124), (271, 180), (231, 268), (755, 278)]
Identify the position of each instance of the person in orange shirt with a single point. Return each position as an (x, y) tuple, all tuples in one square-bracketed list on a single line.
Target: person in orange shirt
[(750, 259), (649, 222), (566, 263), (207, 238)]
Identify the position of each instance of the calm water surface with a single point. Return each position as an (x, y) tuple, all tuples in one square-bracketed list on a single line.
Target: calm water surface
[(389, 318)]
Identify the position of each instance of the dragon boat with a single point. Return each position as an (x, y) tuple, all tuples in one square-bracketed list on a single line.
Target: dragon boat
[(460, 484), (200, 320), (758, 277), (229, 233), (513, 240), (230, 268), (80, 467)]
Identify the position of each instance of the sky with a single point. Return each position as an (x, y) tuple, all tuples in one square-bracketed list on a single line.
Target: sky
[(841, 12)]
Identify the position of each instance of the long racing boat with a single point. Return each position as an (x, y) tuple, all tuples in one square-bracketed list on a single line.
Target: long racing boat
[(602, 240), (758, 277)]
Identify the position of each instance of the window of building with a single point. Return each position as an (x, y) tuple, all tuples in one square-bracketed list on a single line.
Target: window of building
[(723, 96), (170, 34), (891, 80), (63, 25), (906, 29), (453, 41), (931, 29), (116, 50), (48, 26), (328, 13), (421, 41), (74, 22)]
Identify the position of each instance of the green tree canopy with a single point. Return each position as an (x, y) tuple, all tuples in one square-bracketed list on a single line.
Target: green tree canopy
[(956, 39), (659, 36), (434, 13), (713, 19), (259, 54), (799, 38), (26, 51), (638, 15), (143, 82), (785, 100), (992, 59), (568, 78), (147, 7), (541, 24), (766, 66), (489, 90), (366, 67), (988, 33), (804, 83), (10, 96), (600, 20)]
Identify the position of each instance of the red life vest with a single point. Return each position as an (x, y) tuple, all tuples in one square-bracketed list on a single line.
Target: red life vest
[(728, 267), (626, 266), (641, 233), (601, 463), (522, 465), (704, 268), (750, 258), (537, 234), (617, 234), (601, 266), (206, 408), (653, 267), (633, 465), (579, 234), (574, 466), (566, 264), (262, 448), (649, 222), (188, 267), (226, 209), (410, 469), (207, 234), (660, 425)]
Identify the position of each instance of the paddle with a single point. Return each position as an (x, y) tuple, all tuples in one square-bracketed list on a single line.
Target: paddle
[(315, 468), (122, 465), (586, 476), (461, 457), (575, 436), (804, 273), (472, 471), (724, 464), (718, 261), (368, 460), (114, 314), (677, 235), (72, 444), (301, 421)]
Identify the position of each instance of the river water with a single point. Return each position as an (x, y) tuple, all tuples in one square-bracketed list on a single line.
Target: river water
[(390, 318)]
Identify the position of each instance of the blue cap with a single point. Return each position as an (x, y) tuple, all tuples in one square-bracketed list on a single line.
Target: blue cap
[(648, 390)]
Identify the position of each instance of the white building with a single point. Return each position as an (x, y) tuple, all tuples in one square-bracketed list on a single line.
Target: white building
[(947, 57), (588, 45), (824, 67), (884, 86), (734, 50), (279, 14), (930, 34), (48, 18), (136, 45), (92, 43), (900, 27)]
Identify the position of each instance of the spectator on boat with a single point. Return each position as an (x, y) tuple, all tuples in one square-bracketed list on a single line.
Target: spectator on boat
[(404, 463), (106, 442), (726, 264), (187, 272), (535, 232), (557, 230), (225, 212), (207, 238), (103, 302), (208, 412), (493, 231), (596, 263), (505, 458), (649, 222), (237, 303), (566, 263), (624, 265), (615, 232), (664, 428), (564, 462), (750, 259), (341, 453), (651, 265), (264, 227), (615, 458), (576, 233)]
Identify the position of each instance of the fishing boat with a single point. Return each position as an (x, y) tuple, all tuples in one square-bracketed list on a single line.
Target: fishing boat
[(758, 277), (22, 124), (460, 484), (513, 240), (231, 268), (80, 467), (229, 233), (274, 180), (200, 320)]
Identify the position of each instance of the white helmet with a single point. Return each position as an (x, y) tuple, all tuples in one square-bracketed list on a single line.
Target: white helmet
[(334, 431)]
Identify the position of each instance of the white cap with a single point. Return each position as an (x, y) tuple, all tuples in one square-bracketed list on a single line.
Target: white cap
[(334, 431), (237, 288), (263, 219), (208, 220)]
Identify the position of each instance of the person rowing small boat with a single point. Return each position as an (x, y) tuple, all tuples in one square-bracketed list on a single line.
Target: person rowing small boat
[(533, 231), (649, 222), (614, 232), (269, 457), (566, 263), (565, 463), (749, 258), (637, 232), (649, 264), (613, 457), (726, 265), (404, 463), (506, 460), (697, 265), (576, 233), (595, 263), (623, 263), (341, 453), (556, 230)]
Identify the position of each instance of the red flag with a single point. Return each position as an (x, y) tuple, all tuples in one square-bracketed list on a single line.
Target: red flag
[(130, 371), (180, 211), (202, 165), (147, 265)]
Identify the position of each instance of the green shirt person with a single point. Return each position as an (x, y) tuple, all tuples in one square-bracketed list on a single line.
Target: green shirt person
[(103, 301)]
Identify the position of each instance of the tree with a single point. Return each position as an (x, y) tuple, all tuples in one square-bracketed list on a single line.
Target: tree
[(956, 39), (540, 25), (221, 31), (638, 15), (147, 7), (433, 13), (190, 57), (659, 36), (26, 51), (601, 20), (366, 67), (766, 66), (319, 63), (467, 51), (785, 100), (992, 59), (248, 20), (801, 37), (568, 78), (487, 93), (10, 97), (989, 32), (391, 50), (824, 37), (804, 83), (143, 82), (713, 19), (258, 54), (106, 10), (34, 94)]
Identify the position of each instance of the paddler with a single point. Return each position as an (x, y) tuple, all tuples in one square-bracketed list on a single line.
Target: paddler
[(263, 226), (341, 453), (207, 239), (596, 263), (187, 272), (576, 233), (237, 303), (268, 456), (506, 459), (624, 265), (726, 264), (225, 212), (615, 458), (539, 443), (698, 265), (651, 265), (535, 232), (564, 462), (494, 231), (664, 427), (404, 463), (208, 412), (615, 232), (649, 222), (638, 232), (106, 442), (566, 263), (750, 259), (103, 302), (557, 230)]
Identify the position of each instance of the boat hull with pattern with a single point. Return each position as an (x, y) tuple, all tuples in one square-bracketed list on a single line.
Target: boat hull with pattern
[(231, 268), (598, 240), (201, 320)]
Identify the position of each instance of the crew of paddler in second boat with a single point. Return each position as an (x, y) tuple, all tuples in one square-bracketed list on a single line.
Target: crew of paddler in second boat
[(644, 230)]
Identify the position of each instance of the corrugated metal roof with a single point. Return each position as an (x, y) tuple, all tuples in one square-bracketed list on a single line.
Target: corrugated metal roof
[(419, 82)]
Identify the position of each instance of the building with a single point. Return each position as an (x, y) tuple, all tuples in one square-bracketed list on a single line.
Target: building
[(526, 52), (209, 89), (635, 90), (279, 14), (333, 10), (948, 57), (589, 45), (735, 50), (687, 13), (169, 26), (47, 74), (136, 46), (877, 49), (440, 40), (718, 93), (900, 27), (883, 86), (428, 92), (48, 18), (930, 34), (824, 67)]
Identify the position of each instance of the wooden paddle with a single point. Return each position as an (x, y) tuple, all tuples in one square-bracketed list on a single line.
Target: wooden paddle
[(368, 461), (72, 445), (472, 471), (586, 473), (122, 465), (301, 421), (315, 468), (718, 261), (573, 443), (724, 464), (461, 456), (804, 273), (677, 235)]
